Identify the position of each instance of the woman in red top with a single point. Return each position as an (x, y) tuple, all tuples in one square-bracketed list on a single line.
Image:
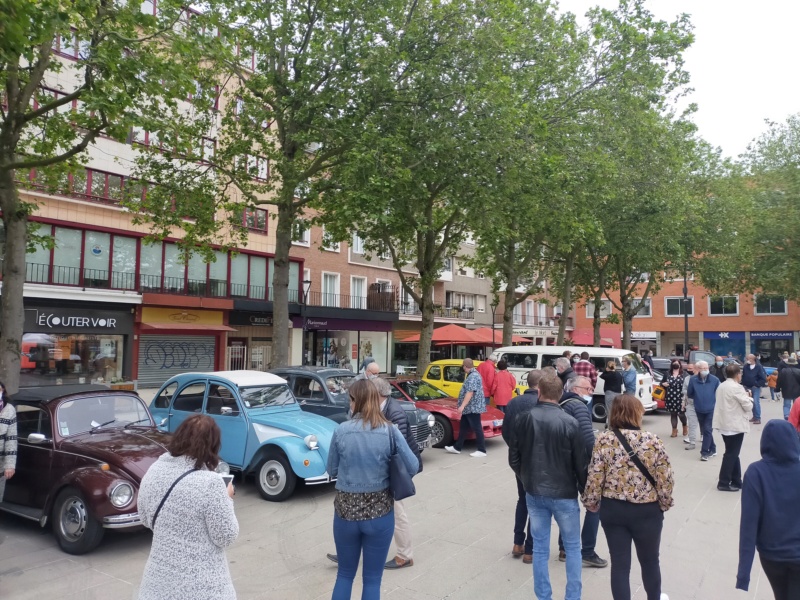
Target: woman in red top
[(504, 385)]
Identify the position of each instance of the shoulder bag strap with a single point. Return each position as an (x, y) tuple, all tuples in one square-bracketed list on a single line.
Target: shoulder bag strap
[(634, 458), (392, 448), (169, 491)]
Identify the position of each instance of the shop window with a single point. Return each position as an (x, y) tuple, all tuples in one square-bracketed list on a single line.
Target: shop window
[(770, 305), (70, 358), (723, 305)]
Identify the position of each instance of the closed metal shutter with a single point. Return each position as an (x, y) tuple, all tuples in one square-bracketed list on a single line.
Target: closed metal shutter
[(162, 356)]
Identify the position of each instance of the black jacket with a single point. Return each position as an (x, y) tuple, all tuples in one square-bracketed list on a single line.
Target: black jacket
[(547, 452), (755, 377), (567, 375), (395, 413), (789, 382), (518, 405), (576, 407), (718, 372)]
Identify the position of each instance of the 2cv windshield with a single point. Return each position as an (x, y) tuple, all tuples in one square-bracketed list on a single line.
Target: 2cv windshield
[(260, 396)]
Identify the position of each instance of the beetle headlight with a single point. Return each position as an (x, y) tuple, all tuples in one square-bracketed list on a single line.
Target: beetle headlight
[(311, 442), (431, 421), (121, 495)]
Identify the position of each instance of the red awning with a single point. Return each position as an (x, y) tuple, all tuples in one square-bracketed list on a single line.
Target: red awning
[(486, 334), (450, 334), (184, 327), (585, 337)]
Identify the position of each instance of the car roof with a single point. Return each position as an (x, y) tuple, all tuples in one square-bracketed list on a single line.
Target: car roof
[(322, 371), (453, 361), (561, 349), (241, 378), (48, 393)]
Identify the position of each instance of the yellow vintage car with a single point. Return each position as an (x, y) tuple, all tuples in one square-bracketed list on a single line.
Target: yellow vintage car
[(447, 375)]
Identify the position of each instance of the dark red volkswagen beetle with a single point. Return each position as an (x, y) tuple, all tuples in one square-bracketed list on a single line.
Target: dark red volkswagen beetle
[(83, 450)]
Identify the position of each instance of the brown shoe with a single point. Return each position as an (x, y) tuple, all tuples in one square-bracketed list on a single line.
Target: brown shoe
[(399, 563), (518, 550), (756, 421), (674, 432), (527, 559), (685, 430)]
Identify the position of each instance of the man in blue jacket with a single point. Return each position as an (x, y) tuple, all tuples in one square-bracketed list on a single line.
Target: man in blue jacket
[(770, 497), (754, 377), (703, 391)]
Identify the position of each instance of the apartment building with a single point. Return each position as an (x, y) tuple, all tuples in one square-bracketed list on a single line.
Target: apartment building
[(736, 324)]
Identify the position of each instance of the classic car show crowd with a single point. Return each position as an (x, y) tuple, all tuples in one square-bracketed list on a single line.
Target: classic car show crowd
[(168, 466)]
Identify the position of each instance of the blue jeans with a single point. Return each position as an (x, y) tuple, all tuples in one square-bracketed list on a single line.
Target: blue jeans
[(568, 517), (522, 524), (705, 420), (374, 537), (756, 391), (787, 407), (591, 523)]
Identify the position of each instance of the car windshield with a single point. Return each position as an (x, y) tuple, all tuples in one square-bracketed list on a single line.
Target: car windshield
[(339, 384), (637, 364), (87, 414), (260, 396), (421, 390)]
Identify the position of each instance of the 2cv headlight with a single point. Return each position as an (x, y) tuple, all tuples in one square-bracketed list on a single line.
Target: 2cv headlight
[(121, 495)]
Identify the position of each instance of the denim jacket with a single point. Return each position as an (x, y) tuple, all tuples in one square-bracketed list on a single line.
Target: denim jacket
[(359, 456)]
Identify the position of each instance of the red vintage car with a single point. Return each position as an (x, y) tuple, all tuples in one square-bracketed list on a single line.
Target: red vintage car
[(83, 450), (445, 411)]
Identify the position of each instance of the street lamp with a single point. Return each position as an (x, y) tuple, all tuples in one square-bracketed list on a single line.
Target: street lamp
[(306, 289), (685, 311)]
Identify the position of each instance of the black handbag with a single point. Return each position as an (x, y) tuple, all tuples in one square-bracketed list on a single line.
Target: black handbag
[(400, 482), (635, 459)]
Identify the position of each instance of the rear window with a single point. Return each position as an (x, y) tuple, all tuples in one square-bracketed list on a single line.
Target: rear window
[(518, 360)]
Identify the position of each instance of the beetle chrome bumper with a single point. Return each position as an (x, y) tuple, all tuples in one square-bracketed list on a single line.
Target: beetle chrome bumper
[(325, 478), (122, 521)]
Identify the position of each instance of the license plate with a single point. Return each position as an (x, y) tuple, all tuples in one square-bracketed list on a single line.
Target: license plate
[(497, 423)]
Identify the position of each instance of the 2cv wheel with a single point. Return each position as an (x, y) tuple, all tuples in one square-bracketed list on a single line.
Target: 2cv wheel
[(76, 530), (275, 479)]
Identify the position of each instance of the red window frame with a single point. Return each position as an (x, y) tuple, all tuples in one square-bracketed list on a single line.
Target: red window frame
[(256, 219)]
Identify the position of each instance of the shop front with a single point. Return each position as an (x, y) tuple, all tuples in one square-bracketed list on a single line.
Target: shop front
[(644, 340), (67, 345), (172, 341), (344, 343), (537, 335), (250, 343), (769, 345), (726, 343)]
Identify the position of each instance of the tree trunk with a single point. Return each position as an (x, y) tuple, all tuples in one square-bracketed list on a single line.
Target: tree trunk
[(598, 303), (509, 301), (12, 311), (626, 330), (426, 307), (280, 283), (566, 298)]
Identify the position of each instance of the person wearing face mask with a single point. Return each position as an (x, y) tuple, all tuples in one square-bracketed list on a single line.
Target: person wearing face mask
[(732, 414), (8, 440), (371, 371), (718, 369), (674, 397), (754, 377), (702, 391)]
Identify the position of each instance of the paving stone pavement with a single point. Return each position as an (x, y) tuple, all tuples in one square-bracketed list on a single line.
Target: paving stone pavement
[(462, 520)]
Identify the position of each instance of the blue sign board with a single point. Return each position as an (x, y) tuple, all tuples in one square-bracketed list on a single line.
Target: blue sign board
[(723, 335), (781, 335)]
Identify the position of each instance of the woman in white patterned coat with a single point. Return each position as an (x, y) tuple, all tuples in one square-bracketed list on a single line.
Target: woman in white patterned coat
[(8, 440), (196, 522)]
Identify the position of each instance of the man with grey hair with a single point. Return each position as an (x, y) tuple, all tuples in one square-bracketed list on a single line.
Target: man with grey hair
[(371, 371), (688, 407), (564, 369), (471, 405), (703, 391)]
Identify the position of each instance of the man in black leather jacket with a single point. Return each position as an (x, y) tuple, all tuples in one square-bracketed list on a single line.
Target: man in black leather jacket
[(549, 456)]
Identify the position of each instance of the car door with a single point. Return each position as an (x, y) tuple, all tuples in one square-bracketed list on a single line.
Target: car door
[(311, 393), (453, 380), (31, 479), (186, 402), (224, 406)]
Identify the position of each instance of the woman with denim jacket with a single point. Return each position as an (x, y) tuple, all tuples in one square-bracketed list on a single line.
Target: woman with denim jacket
[(364, 508)]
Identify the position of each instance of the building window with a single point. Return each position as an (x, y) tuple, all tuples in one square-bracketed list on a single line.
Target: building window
[(330, 289), (723, 305), (149, 7), (480, 304), (255, 218), (674, 306), (517, 314), (257, 167), (358, 244), (647, 310), (770, 305), (301, 233), (447, 266), (329, 244), (358, 292), (605, 309)]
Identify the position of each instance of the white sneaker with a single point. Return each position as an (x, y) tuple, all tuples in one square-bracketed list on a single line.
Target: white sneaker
[(452, 450), (479, 454), (686, 440), (664, 597)]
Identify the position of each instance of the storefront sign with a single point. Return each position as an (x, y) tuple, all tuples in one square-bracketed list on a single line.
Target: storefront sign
[(782, 335), (723, 335), (315, 323), (76, 320), (642, 335), (254, 319), (181, 316), (529, 332)]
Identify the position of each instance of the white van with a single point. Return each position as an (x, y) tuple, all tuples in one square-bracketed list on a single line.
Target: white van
[(522, 359)]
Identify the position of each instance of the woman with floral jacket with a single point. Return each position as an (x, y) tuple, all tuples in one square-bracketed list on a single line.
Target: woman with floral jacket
[(631, 507), (8, 440)]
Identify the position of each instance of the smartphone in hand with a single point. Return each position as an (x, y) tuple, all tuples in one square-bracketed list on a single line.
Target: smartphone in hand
[(228, 479)]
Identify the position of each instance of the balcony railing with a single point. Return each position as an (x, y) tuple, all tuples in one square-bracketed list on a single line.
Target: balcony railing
[(445, 312)]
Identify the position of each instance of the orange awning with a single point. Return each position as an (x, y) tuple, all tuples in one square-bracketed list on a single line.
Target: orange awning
[(486, 334), (184, 327), (449, 334), (585, 337)]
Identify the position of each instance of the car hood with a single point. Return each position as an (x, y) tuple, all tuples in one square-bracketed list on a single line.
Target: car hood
[(129, 450), (298, 422), (451, 403)]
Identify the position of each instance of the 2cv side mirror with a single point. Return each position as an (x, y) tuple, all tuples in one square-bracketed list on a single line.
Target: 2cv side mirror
[(37, 438)]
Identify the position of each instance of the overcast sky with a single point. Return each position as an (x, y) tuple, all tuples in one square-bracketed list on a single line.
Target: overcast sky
[(744, 63)]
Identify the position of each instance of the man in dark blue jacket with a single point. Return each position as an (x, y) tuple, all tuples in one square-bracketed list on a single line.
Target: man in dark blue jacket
[(770, 497), (754, 377), (523, 543), (703, 391), (575, 402)]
